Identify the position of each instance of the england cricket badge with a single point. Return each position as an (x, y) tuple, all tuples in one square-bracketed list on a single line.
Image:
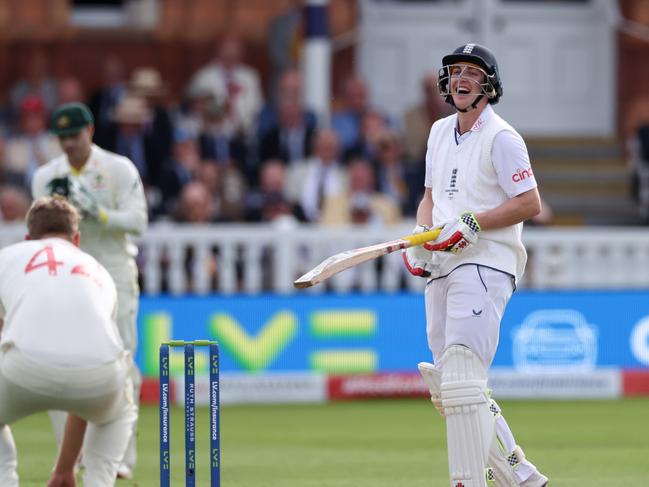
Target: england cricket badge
[(452, 189)]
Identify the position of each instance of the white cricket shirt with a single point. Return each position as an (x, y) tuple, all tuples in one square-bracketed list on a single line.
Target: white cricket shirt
[(478, 171), (115, 183), (58, 303)]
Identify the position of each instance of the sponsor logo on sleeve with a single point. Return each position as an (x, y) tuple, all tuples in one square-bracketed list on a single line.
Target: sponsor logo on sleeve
[(522, 174)]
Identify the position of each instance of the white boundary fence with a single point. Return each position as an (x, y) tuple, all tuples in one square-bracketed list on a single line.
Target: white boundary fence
[(263, 258)]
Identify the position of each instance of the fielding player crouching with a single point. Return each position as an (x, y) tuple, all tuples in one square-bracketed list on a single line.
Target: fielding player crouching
[(60, 347)]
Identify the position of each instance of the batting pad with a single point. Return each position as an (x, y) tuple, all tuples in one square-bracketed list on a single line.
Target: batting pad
[(433, 379), (470, 424)]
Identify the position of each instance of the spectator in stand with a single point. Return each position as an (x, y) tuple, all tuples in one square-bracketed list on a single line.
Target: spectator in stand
[(292, 138), (147, 84), (227, 188), (361, 203), (278, 210), (129, 135), (347, 121), (391, 179), (35, 81), (194, 204), (69, 90), (271, 190), (419, 118), (372, 128), (284, 39), (189, 115), (103, 101), (7, 174), (289, 87), (220, 141), (32, 145), (228, 79), (14, 203), (637, 148), (183, 167), (320, 177), (417, 121)]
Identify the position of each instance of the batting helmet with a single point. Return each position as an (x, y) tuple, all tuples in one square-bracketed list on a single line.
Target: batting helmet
[(479, 56)]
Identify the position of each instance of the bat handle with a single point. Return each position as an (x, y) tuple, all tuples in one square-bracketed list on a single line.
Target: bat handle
[(422, 238)]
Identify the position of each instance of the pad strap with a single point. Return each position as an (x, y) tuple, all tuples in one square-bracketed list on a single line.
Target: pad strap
[(433, 379)]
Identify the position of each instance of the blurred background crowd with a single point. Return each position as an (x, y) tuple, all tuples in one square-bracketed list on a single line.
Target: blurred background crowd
[(223, 149), (218, 134), (226, 147)]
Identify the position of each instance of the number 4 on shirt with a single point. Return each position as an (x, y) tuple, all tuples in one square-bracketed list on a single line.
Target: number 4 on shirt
[(45, 258), (46, 254)]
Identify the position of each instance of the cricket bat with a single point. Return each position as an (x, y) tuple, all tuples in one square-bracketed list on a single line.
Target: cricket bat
[(350, 258)]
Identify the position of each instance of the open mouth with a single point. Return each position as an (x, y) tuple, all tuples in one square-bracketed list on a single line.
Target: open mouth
[(463, 91)]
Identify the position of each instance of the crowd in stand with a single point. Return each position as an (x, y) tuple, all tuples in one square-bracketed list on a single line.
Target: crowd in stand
[(225, 152)]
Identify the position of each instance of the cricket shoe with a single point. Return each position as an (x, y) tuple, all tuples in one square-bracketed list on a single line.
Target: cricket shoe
[(124, 472), (537, 479)]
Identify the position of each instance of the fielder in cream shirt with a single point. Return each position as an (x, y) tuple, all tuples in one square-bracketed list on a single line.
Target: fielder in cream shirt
[(60, 347), (107, 190)]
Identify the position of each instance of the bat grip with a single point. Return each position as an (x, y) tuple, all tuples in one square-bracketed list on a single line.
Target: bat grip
[(422, 238)]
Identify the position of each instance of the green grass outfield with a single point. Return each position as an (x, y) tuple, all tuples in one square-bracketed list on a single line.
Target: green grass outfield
[(386, 443)]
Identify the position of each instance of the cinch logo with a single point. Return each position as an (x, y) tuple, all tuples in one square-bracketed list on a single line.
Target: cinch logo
[(519, 175), (478, 124)]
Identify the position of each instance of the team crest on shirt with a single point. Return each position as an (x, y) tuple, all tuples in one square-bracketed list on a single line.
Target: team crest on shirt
[(451, 190), (98, 181)]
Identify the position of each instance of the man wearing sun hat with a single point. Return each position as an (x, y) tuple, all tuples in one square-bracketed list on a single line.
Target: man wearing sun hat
[(31, 145), (107, 190)]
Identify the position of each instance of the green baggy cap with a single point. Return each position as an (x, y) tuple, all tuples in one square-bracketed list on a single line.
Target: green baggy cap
[(71, 118)]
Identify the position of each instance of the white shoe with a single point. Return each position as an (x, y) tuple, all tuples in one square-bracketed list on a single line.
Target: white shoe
[(124, 472), (537, 479)]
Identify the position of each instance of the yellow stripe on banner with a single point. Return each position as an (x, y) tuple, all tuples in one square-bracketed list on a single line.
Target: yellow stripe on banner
[(358, 361), (346, 323), (422, 238)]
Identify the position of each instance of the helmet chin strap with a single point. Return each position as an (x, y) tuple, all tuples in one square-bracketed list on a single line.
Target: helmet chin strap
[(473, 105)]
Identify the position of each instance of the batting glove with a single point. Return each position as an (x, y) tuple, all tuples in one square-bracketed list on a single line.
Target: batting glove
[(84, 201), (418, 259), (458, 235)]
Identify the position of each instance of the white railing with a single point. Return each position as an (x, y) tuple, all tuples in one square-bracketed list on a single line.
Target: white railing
[(259, 258)]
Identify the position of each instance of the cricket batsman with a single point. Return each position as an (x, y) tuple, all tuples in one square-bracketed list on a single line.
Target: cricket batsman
[(480, 188)]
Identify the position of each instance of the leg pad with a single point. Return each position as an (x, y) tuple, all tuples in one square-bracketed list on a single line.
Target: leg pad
[(470, 424)]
